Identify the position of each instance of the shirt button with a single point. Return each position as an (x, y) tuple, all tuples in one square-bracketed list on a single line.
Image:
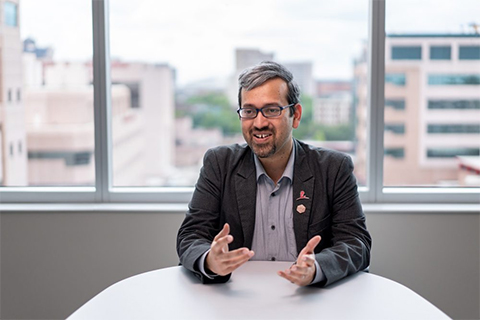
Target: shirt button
[(273, 258), (272, 227)]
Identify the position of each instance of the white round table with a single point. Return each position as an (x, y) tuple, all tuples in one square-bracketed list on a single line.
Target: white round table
[(254, 291)]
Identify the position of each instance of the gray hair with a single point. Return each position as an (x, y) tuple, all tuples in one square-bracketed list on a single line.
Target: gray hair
[(255, 76)]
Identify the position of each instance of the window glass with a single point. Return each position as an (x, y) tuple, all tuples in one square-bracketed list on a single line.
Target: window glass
[(454, 128), (469, 53), (11, 14), (453, 79), (440, 52), (396, 79), (396, 104), (406, 52), (395, 128), (442, 113), (453, 104), (174, 73), (48, 112)]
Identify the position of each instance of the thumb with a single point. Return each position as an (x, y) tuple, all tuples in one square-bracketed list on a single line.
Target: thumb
[(311, 245)]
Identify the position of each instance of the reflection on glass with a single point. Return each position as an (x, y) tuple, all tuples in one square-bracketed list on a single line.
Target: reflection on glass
[(174, 70), (436, 106)]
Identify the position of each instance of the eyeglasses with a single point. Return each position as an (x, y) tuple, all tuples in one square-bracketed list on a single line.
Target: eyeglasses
[(268, 112)]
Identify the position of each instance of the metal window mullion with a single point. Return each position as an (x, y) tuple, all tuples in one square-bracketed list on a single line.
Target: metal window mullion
[(101, 84), (376, 96)]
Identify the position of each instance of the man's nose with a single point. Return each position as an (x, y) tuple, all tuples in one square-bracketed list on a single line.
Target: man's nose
[(260, 121)]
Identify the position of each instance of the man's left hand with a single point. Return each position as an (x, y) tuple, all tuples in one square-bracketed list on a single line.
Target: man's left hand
[(303, 271)]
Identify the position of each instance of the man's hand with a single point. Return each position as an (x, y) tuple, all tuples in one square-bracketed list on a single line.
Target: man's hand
[(221, 261), (303, 271)]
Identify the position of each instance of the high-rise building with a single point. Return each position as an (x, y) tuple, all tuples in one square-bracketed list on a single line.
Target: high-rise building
[(432, 107), (303, 75), (245, 58), (13, 149), (152, 88)]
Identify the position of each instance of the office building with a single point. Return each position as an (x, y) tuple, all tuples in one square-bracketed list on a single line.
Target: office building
[(432, 108), (13, 148)]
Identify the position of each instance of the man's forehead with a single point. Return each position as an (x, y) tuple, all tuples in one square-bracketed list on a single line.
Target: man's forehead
[(275, 90)]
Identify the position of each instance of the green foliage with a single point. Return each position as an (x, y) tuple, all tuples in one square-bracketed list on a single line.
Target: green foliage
[(309, 130), (213, 110)]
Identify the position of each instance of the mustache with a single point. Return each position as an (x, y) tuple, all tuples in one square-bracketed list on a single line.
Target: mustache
[(266, 128)]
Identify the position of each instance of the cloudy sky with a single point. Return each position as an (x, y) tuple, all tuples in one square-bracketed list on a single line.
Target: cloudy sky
[(198, 38)]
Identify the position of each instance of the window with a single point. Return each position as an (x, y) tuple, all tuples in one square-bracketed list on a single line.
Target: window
[(469, 53), (172, 101), (49, 76), (406, 53), (440, 52), (11, 14), (129, 118), (453, 128), (396, 104), (443, 115), (453, 104), (397, 79), (453, 79), (395, 128), (397, 153), (452, 152)]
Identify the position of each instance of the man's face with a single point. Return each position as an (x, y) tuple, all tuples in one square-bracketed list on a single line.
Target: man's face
[(269, 137)]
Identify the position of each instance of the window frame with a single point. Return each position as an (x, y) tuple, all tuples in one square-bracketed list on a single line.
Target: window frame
[(104, 192)]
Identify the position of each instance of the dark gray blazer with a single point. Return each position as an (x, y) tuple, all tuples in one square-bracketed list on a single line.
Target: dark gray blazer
[(226, 192)]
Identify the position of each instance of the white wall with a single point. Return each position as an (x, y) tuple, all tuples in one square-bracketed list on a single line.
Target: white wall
[(52, 263)]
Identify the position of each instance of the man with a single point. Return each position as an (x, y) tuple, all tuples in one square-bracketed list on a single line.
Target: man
[(275, 198)]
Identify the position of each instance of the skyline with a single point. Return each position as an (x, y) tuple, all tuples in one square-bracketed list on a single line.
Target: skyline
[(186, 34)]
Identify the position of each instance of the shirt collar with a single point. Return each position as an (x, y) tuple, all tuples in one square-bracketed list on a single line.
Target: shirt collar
[(287, 173)]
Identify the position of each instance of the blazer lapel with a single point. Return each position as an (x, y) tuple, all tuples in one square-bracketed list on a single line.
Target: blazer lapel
[(246, 192), (303, 189)]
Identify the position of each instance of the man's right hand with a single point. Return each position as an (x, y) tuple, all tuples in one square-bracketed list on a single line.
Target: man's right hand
[(220, 260)]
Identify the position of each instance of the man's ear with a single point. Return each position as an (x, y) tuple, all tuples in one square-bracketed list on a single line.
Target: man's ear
[(297, 115)]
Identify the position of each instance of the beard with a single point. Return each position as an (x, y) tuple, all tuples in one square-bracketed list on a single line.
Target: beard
[(262, 150)]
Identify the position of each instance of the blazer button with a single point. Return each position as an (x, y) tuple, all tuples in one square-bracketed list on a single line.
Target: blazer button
[(273, 258), (272, 227)]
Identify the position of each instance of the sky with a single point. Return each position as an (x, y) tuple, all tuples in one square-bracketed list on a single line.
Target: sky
[(198, 38)]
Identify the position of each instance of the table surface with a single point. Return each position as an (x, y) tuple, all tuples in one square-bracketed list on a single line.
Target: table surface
[(254, 291)]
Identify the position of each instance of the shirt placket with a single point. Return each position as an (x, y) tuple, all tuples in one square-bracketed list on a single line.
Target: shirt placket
[(272, 225)]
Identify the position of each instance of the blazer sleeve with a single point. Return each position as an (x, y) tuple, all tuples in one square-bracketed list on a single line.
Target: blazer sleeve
[(202, 221), (349, 251)]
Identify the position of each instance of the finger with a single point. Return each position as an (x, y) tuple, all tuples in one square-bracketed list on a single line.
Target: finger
[(293, 278), (236, 262), (301, 279), (234, 256), (221, 244), (225, 231), (307, 260)]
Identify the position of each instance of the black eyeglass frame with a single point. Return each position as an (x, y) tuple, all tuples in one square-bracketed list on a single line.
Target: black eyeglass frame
[(261, 110)]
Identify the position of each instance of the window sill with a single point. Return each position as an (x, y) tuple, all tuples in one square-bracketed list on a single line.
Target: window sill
[(182, 208)]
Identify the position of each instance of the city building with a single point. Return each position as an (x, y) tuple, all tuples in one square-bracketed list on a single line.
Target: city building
[(432, 107), (303, 75), (60, 127), (13, 148), (152, 88), (333, 110)]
